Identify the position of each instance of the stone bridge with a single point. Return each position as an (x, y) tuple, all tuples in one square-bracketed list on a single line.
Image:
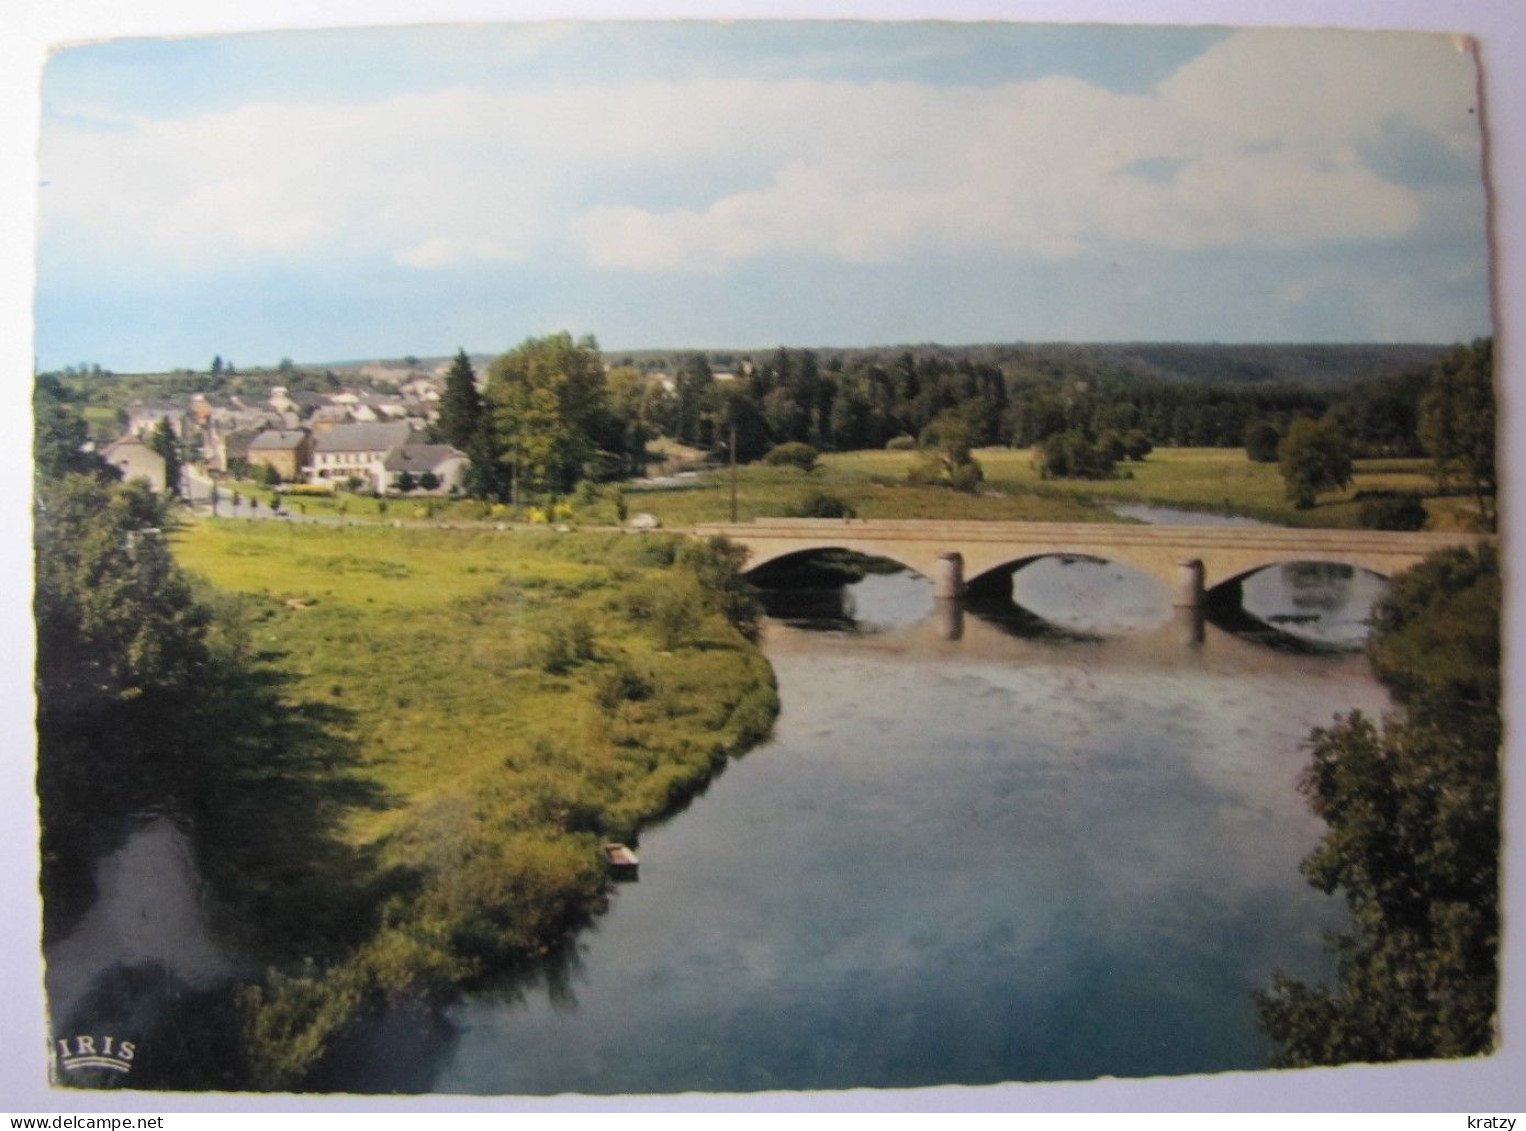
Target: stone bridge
[(1190, 559)]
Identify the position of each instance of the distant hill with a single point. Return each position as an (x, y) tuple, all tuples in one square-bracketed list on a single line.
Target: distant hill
[(1319, 365)]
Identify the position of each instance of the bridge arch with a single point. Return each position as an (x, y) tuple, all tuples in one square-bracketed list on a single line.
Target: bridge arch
[(760, 559), (994, 578)]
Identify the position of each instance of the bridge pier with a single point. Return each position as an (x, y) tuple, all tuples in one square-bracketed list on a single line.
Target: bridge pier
[(950, 614), (1191, 624), (1189, 584), (948, 577)]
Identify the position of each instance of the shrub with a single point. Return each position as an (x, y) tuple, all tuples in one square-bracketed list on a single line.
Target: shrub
[(676, 617), (623, 684), (1074, 455), (793, 454), (820, 504), (1261, 440), (1401, 511), (1136, 445)]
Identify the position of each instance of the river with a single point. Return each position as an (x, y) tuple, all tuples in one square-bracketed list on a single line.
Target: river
[(1010, 845), (1049, 838)]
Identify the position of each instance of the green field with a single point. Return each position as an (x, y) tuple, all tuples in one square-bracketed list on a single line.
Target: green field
[(494, 707), (873, 483)]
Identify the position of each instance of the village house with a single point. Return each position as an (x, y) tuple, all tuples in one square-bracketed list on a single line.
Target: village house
[(144, 416), (445, 463), (325, 418), (359, 451), (288, 451), (136, 460)]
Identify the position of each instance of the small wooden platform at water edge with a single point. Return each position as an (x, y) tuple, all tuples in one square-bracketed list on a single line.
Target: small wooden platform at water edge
[(621, 862)]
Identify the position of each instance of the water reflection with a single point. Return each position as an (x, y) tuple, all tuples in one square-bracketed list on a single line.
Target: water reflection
[(969, 854), (1322, 602)]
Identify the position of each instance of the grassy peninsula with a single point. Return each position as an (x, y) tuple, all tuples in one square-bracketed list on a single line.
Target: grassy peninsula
[(493, 706)]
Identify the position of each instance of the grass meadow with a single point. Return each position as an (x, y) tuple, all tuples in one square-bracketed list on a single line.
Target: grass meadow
[(506, 701)]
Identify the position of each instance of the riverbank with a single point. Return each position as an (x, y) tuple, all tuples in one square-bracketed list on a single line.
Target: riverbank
[(493, 707)]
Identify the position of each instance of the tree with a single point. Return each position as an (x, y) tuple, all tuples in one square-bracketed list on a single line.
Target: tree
[(1412, 810), (1261, 440), (115, 617), (484, 478), (1457, 424), (693, 383), (405, 482), (1075, 455), (1136, 445), (547, 400), (59, 434), (1400, 511), (460, 404), (167, 445), (429, 481), (1314, 456), (946, 457)]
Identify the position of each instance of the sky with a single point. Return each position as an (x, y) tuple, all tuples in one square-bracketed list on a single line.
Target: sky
[(332, 195)]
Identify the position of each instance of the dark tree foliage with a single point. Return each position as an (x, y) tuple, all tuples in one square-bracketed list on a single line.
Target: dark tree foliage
[(166, 445), (115, 617), (792, 453), (1261, 441), (946, 458), (1075, 455), (485, 477), (717, 563), (822, 504), (693, 385), (1314, 456), (460, 404), (1400, 511), (120, 647), (1412, 809), (1458, 423)]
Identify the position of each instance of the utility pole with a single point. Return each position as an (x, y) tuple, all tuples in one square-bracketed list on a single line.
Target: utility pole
[(733, 473)]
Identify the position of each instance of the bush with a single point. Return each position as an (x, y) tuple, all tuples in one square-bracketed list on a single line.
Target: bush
[(1401, 511), (566, 646), (1074, 455), (820, 504), (902, 443), (793, 454), (1136, 445), (623, 684), (1261, 440)]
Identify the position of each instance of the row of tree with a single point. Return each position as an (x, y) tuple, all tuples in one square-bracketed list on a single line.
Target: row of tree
[(1454, 422), (1412, 809)]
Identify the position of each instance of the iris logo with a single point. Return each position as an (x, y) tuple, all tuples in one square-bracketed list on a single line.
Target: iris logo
[(74, 1053)]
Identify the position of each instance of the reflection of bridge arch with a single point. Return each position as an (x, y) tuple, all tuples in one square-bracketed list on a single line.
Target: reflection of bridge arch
[(1190, 559)]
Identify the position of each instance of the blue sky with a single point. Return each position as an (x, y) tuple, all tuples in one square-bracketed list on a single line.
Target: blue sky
[(347, 194)]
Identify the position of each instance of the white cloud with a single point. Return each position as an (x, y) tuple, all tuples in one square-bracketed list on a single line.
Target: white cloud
[(1262, 133)]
